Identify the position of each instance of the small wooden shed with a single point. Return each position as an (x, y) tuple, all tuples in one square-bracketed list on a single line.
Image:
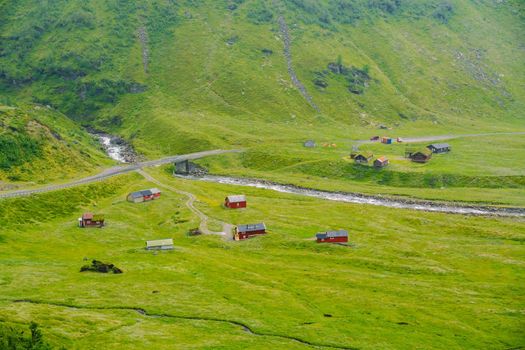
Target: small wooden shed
[(381, 162), (422, 156), (91, 220), (339, 236), (144, 195), (249, 230), (235, 201), (439, 147), (362, 157), (160, 244)]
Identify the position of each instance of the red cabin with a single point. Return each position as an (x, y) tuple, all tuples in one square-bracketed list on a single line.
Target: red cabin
[(340, 236), (91, 220), (250, 230), (235, 202)]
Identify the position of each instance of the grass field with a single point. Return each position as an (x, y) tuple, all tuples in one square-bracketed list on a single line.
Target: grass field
[(409, 279)]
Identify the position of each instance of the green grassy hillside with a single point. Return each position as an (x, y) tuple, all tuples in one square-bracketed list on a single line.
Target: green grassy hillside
[(408, 280), (39, 144), (155, 71)]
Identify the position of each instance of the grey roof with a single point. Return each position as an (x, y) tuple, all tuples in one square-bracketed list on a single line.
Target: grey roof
[(309, 143), (143, 193), (236, 198), (146, 193), (332, 234), (439, 145), (136, 194), (251, 227)]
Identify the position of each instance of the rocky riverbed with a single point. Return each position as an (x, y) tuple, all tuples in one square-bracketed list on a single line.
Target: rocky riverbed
[(117, 148)]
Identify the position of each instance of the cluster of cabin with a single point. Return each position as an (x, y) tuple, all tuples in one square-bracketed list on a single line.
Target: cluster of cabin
[(366, 157), (144, 195), (425, 154)]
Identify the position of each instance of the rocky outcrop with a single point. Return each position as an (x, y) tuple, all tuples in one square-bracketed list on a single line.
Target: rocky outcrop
[(143, 38), (285, 34)]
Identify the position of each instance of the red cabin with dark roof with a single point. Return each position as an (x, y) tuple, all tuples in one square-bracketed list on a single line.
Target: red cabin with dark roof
[(250, 230), (340, 236)]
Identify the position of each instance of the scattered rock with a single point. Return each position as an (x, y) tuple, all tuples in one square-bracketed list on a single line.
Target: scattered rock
[(195, 232), (99, 266)]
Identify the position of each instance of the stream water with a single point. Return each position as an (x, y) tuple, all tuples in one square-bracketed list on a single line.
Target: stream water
[(363, 199), (116, 148)]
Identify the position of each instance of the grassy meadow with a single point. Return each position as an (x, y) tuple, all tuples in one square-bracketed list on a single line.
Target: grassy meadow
[(408, 279)]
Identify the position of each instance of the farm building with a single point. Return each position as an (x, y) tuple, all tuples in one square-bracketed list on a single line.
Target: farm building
[(421, 156), (381, 162), (160, 244), (234, 202), (250, 230), (309, 144), (340, 236), (91, 220), (386, 140), (144, 195), (363, 157), (439, 147)]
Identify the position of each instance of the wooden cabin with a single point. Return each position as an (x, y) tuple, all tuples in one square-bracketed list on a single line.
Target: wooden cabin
[(362, 157), (381, 162), (160, 244), (144, 195), (91, 220), (421, 156), (249, 230), (340, 236), (235, 202), (439, 147)]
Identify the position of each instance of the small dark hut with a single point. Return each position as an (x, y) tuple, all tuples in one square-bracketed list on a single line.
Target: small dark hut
[(422, 156), (91, 220), (381, 162), (362, 158)]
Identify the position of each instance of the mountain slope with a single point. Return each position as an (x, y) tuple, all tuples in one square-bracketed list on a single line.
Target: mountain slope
[(183, 76), (39, 145)]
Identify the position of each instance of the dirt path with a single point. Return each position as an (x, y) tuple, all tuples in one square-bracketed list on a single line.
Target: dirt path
[(118, 170), (190, 203), (445, 137)]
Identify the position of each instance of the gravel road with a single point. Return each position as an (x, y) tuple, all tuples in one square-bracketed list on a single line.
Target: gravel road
[(118, 170)]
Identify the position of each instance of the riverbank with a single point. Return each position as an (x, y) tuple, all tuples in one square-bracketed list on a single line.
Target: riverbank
[(377, 200)]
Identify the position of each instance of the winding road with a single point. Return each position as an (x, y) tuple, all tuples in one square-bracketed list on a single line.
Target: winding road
[(444, 137), (117, 170)]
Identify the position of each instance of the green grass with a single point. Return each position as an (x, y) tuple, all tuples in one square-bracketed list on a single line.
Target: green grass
[(453, 279)]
